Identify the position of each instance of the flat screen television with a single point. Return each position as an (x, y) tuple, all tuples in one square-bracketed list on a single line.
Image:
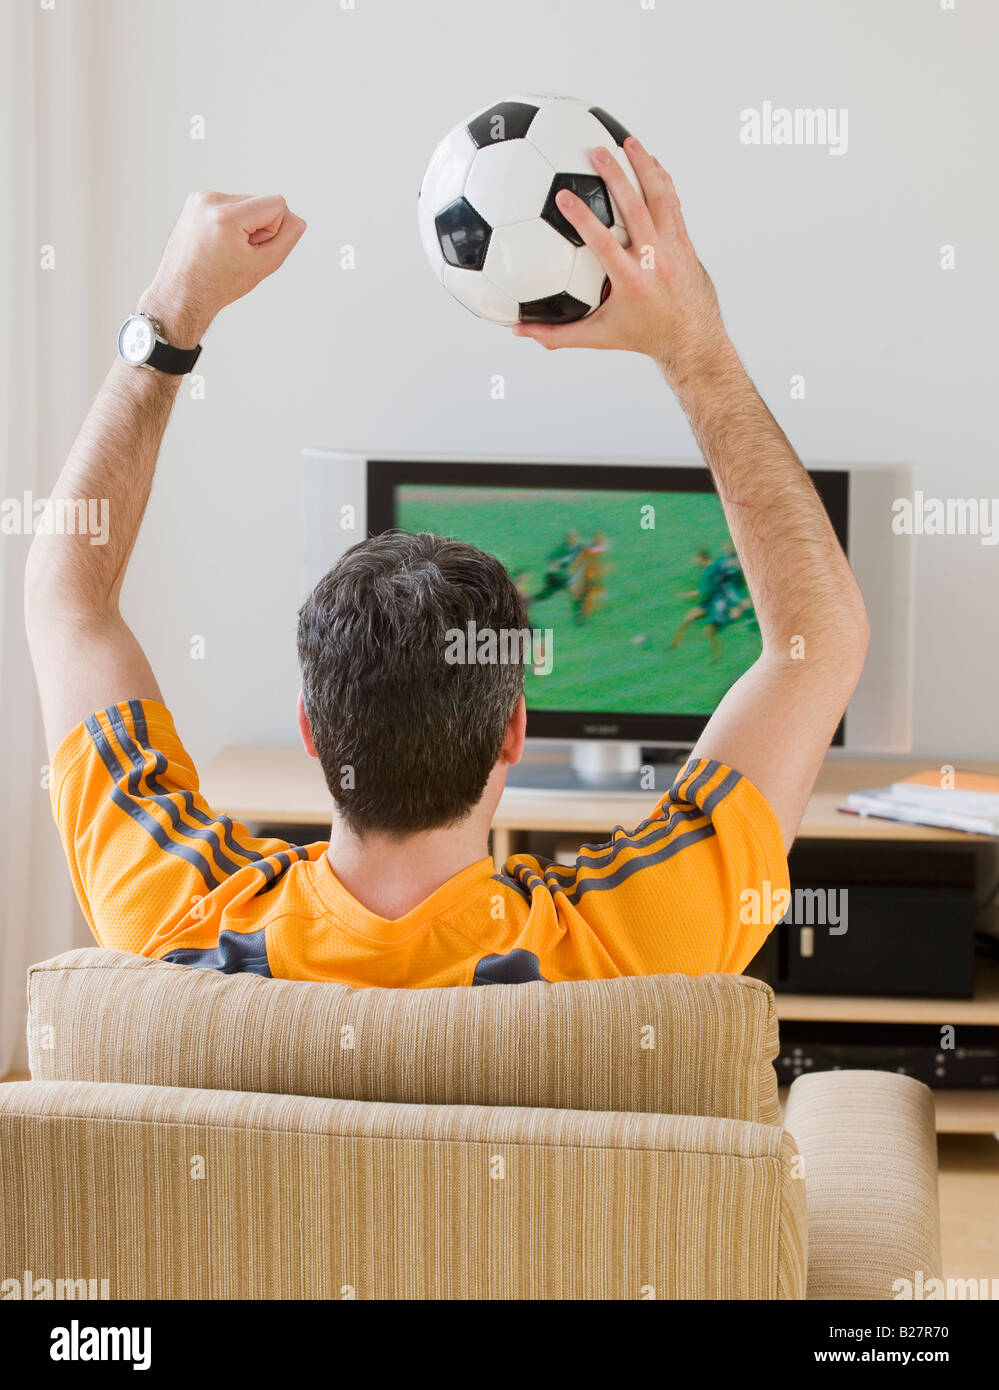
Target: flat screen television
[(630, 568)]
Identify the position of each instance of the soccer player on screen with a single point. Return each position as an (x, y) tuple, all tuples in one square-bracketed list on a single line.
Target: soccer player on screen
[(404, 891), (718, 601), (588, 577), (559, 565), (732, 571)]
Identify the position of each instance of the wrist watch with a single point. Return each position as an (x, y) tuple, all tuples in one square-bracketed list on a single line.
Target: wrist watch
[(141, 344)]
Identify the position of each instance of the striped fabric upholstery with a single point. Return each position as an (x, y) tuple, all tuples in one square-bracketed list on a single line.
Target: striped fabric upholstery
[(175, 1193), (668, 1044), (870, 1167)]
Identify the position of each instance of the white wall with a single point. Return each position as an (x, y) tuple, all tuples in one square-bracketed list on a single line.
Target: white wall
[(826, 266)]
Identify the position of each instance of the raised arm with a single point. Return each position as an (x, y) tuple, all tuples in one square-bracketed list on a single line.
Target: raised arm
[(775, 724), (84, 654)]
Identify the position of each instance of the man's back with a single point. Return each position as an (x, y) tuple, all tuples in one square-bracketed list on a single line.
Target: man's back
[(160, 873)]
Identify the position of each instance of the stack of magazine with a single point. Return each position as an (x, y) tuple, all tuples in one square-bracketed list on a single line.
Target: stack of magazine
[(958, 801)]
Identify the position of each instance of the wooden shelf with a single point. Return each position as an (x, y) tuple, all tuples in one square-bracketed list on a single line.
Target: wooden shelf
[(983, 1008), (274, 785), (967, 1112), (597, 812), (958, 1112)]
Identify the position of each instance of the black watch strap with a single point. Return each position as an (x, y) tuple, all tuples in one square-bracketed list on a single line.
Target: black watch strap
[(173, 360)]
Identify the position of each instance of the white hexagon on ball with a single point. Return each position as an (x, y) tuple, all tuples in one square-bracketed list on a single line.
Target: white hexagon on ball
[(478, 293), (622, 158), (508, 182), (586, 279), (428, 236), (529, 260), (565, 133), (447, 171)]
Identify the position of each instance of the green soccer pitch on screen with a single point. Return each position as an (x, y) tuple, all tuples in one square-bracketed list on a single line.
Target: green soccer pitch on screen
[(642, 592)]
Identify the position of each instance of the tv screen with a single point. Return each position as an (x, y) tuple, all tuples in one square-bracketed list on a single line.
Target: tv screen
[(644, 616)]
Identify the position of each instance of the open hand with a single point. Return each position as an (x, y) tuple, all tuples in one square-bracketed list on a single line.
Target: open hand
[(662, 302)]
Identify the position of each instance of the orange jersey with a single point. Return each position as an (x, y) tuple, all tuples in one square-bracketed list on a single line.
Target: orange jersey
[(161, 874), (593, 566)]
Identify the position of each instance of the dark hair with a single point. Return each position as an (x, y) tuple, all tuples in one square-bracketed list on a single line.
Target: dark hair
[(406, 737)]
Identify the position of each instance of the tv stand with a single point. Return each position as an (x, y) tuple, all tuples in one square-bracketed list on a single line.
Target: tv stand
[(595, 767)]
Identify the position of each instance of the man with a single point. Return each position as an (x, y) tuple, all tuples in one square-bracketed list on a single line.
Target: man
[(415, 750), (742, 602), (559, 565), (719, 600), (588, 577)]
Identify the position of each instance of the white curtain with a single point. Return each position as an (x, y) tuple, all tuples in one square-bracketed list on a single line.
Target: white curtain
[(45, 379)]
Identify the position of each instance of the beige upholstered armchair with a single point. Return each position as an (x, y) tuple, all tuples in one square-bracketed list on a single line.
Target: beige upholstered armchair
[(188, 1134)]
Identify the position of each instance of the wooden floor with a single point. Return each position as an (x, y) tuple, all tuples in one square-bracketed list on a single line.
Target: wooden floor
[(969, 1205), (969, 1202)]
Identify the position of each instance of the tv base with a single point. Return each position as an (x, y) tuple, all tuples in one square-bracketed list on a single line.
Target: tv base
[(596, 767)]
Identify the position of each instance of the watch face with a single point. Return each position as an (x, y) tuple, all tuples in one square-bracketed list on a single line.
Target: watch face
[(136, 340)]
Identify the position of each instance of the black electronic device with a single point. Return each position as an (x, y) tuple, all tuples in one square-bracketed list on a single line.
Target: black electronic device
[(875, 918), (943, 1056)]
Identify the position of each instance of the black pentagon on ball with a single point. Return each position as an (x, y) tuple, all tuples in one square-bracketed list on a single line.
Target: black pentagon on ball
[(614, 128), (507, 120), (557, 308), (593, 191), (463, 235)]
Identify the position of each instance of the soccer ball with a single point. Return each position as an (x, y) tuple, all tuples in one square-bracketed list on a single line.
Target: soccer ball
[(488, 219)]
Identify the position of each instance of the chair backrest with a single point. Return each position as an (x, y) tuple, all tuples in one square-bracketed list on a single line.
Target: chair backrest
[(668, 1044)]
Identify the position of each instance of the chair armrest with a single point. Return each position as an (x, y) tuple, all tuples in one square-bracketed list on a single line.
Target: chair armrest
[(868, 1144)]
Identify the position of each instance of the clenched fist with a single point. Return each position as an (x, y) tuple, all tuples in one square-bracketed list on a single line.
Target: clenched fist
[(222, 246)]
